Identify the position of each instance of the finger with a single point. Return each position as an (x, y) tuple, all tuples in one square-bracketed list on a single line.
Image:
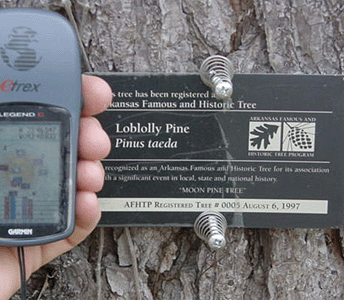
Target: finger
[(90, 175), (9, 271), (94, 143), (87, 217), (97, 95)]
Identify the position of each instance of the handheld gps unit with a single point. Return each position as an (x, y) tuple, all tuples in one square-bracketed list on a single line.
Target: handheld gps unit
[(40, 106)]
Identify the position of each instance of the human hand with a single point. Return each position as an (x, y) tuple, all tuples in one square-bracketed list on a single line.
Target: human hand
[(94, 145)]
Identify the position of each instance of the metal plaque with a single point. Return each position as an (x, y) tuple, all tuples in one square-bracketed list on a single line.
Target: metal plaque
[(270, 157)]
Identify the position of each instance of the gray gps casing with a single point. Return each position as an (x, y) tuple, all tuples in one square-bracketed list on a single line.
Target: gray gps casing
[(40, 66)]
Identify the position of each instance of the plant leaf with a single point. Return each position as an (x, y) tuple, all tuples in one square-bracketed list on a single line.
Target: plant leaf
[(264, 133)]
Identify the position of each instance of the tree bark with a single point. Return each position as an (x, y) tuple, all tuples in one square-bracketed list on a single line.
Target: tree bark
[(259, 36)]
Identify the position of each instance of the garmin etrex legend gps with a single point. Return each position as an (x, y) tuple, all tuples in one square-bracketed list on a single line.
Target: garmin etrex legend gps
[(40, 105)]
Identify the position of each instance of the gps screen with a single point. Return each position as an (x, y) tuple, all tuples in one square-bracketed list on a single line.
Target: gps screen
[(30, 172)]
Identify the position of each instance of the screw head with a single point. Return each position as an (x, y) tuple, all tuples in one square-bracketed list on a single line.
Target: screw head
[(223, 90), (217, 242)]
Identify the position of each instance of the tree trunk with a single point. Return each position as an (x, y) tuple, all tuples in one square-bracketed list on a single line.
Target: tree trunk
[(259, 36)]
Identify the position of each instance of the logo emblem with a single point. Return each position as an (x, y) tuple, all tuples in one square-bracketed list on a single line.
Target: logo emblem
[(20, 50), (25, 231), (282, 136), (299, 136), (265, 136)]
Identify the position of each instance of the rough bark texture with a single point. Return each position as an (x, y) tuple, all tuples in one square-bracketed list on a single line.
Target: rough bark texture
[(259, 36)]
